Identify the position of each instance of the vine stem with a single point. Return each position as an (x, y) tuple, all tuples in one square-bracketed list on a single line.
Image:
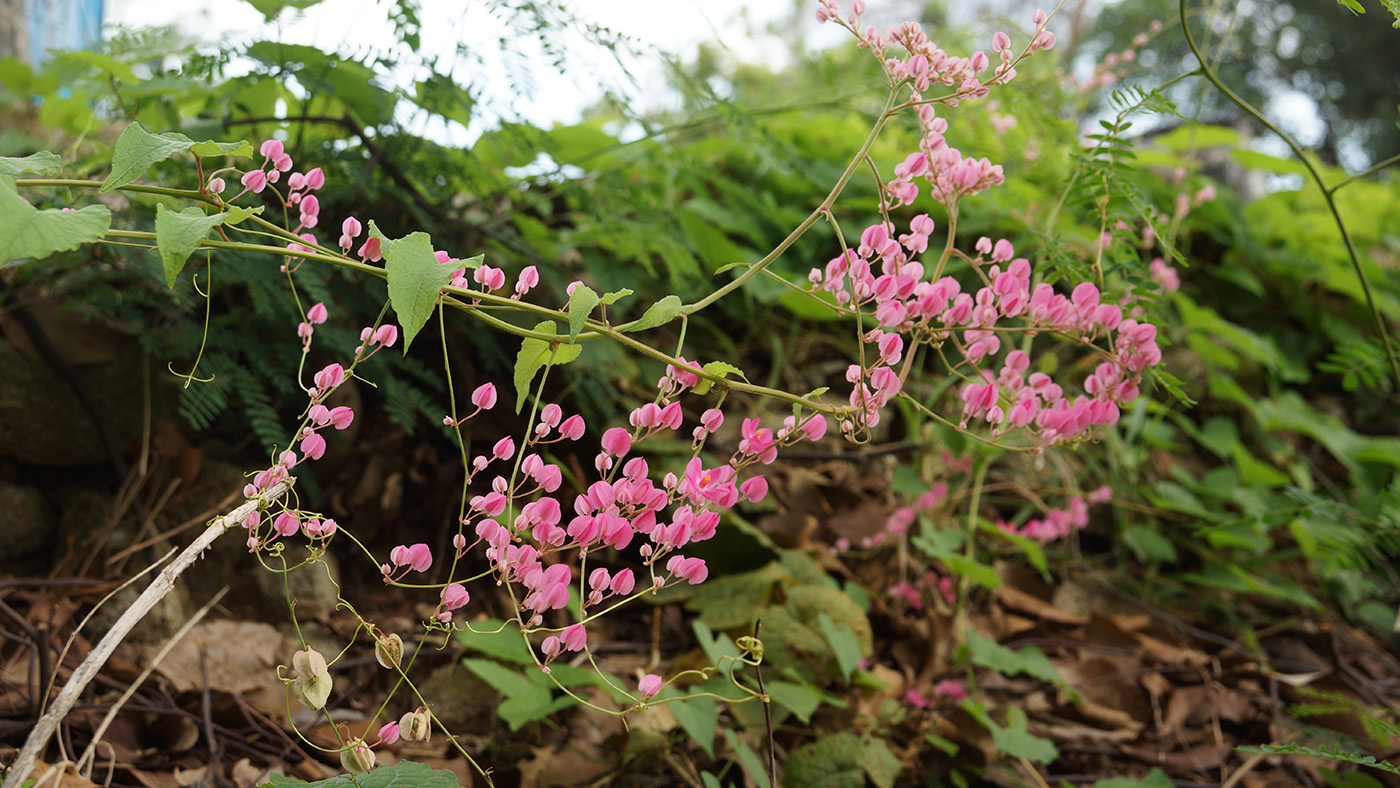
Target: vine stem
[(162, 585), (1328, 195)]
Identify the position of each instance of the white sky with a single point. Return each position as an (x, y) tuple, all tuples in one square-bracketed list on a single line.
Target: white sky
[(351, 26)]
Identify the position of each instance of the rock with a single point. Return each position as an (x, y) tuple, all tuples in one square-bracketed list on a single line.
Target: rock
[(43, 423), (26, 522)]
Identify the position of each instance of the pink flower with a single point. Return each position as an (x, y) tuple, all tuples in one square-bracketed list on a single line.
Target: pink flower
[(484, 396), (504, 449), (330, 377), (617, 442), (623, 582), (419, 556), (529, 277), (572, 428), (254, 181), (286, 524), (649, 685), (271, 149), (369, 250), (341, 417), (313, 446), (389, 733), (951, 689), (315, 179), (454, 596), (755, 489), (387, 335), (316, 314), (574, 637)]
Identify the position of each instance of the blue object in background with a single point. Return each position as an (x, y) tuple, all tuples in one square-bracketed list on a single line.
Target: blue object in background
[(62, 25)]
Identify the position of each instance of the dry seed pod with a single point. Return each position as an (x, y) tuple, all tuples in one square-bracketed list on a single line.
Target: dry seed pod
[(388, 651)]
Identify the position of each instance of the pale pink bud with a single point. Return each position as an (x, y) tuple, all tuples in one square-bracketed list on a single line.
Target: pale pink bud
[(649, 685), (341, 417), (572, 427), (313, 446), (216, 185), (387, 335), (254, 181), (484, 396)]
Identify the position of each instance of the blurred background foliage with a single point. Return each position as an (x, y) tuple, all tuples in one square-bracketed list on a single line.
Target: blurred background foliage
[(1268, 492)]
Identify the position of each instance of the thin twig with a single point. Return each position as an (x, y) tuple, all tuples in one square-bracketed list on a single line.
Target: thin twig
[(89, 755), (156, 591)]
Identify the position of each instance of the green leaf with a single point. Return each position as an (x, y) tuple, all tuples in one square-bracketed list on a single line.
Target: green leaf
[(525, 700), (137, 149), (1028, 659), (663, 311), (720, 368), (844, 644), (611, 298), (534, 354), (507, 644), (41, 163), (271, 8), (415, 279), (178, 234), (1015, 740), (981, 574), (842, 760), (699, 717), (750, 760), (242, 149), (581, 304), (800, 699), (1149, 544), (400, 775), (1154, 779), (26, 231)]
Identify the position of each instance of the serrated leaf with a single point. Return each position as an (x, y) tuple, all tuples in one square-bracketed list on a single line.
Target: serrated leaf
[(178, 234), (404, 774), (844, 644), (659, 313), (415, 279), (41, 163), (236, 214), (581, 304), (242, 149), (534, 354), (26, 231), (137, 149), (611, 298), (720, 368), (842, 760)]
